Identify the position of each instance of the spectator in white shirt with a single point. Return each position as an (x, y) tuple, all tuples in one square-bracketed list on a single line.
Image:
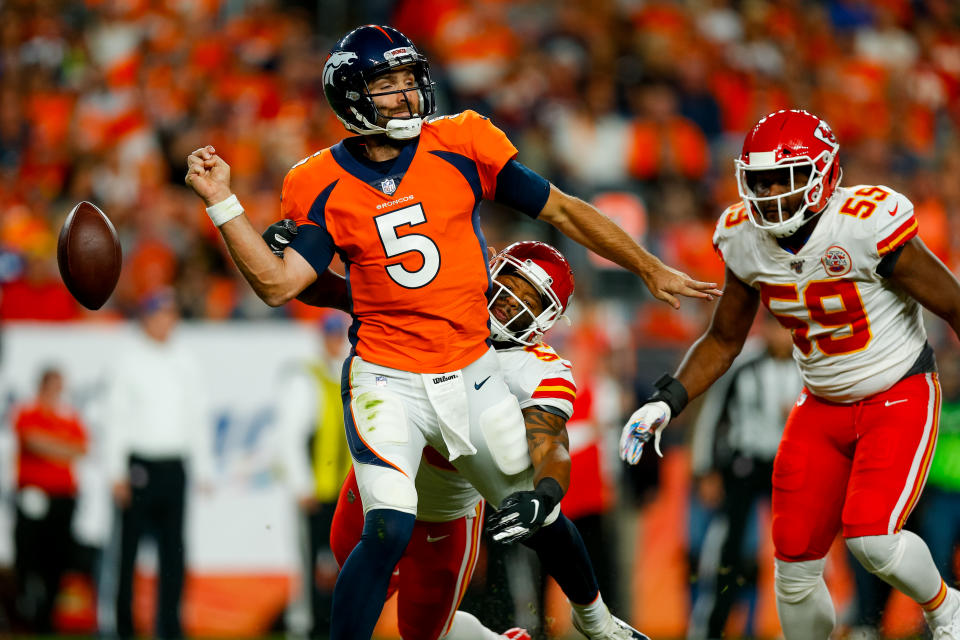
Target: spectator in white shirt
[(157, 422)]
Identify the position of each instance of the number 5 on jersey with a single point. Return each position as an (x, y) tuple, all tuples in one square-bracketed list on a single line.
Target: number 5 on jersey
[(395, 245)]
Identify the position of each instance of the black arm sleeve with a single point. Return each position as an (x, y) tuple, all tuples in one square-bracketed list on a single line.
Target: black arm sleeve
[(889, 261), (521, 188), (315, 245)]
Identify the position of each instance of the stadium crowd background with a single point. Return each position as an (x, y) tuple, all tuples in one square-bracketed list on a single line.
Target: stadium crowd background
[(637, 105)]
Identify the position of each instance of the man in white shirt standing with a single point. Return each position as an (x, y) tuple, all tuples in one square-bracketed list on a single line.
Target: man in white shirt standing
[(156, 420)]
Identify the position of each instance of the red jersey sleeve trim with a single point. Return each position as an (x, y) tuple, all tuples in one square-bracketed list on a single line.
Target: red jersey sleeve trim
[(900, 236), (560, 388)]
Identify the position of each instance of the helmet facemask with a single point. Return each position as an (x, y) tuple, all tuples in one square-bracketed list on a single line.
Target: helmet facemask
[(525, 327), (364, 107), (812, 189)]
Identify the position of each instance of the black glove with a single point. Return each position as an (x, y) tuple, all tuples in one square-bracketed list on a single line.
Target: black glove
[(279, 235), (522, 513)]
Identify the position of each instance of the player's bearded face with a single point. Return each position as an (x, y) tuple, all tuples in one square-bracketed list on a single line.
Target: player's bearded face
[(401, 95), (507, 308), (776, 182)]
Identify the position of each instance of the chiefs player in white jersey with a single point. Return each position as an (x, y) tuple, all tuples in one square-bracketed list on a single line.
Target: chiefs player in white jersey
[(532, 284), (844, 270)]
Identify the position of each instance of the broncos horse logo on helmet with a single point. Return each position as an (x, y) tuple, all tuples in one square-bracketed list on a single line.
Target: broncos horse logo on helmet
[(334, 61), (358, 58)]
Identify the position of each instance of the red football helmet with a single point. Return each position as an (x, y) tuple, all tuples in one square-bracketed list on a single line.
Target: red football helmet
[(548, 271), (790, 139)]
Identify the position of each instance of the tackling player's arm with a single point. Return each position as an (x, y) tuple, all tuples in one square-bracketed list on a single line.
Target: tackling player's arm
[(549, 446), (328, 290), (709, 357), (921, 274), (522, 513), (275, 280), (587, 226)]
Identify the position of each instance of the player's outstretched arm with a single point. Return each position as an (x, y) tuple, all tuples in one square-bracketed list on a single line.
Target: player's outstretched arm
[(709, 357), (274, 280), (923, 276), (522, 513), (713, 353), (584, 224)]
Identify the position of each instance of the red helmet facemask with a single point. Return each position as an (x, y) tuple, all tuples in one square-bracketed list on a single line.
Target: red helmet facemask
[(799, 142), (548, 272)]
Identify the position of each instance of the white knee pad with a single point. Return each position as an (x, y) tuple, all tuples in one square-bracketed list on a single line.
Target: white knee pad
[(794, 581), (878, 554), (506, 435), (385, 488)]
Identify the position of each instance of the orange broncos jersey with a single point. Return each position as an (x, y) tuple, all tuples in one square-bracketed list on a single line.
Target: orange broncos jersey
[(416, 259)]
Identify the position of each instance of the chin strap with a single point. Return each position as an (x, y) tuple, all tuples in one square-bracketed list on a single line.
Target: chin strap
[(403, 129), (396, 129)]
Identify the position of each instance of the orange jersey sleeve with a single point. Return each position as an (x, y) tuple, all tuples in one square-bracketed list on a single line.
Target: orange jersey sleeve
[(476, 137), (492, 150), (303, 200)]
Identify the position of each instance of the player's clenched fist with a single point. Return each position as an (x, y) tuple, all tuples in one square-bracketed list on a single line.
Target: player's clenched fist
[(646, 422), (208, 175)]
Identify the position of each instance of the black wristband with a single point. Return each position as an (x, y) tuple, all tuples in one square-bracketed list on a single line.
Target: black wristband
[(550, 492), (672, 392)]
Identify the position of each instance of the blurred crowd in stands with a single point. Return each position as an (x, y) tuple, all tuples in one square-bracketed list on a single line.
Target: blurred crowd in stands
[(639, 104)]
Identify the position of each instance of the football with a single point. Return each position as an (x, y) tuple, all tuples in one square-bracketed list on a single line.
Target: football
[(89, 256)]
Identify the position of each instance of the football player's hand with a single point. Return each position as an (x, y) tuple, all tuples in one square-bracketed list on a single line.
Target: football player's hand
[(519, 517), (279, 235), (666, 282), (646, 422), (208, 175)]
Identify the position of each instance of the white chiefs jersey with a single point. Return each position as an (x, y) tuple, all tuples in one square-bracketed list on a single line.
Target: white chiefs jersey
[(854, 333), (537, 376)]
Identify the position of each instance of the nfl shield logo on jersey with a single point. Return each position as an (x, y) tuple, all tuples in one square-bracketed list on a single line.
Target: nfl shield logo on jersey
[(837, 261), (797, 265), (388, 186)]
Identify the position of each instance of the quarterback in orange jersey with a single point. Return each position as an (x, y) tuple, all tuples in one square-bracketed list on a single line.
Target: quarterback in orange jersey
[(398, 204), (844, 270)]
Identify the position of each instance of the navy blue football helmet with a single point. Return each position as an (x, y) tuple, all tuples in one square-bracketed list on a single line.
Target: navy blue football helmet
[(355, 60)]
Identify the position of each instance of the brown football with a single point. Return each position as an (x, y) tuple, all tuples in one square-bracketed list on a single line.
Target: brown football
[(88, 254)]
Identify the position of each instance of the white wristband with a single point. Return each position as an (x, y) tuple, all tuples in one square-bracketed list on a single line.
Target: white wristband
[(225, 210)]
